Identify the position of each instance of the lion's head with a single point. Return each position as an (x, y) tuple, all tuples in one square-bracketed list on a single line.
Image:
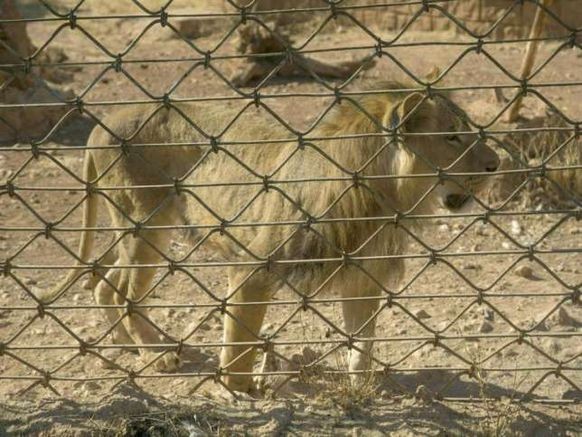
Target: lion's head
[(437, 138)]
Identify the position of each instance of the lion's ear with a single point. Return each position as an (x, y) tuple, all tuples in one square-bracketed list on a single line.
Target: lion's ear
[(433, 74), (404, 113)]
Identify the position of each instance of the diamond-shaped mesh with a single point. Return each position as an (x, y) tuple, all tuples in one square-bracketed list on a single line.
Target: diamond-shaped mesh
[(489, 303)]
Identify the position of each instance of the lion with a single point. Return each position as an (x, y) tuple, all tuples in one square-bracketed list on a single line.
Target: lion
[(279, 207)]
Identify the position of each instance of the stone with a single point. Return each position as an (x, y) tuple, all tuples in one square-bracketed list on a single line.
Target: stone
[(482, 230), (552, 345), (561, 317), (444, 228), (91, 386), (488, 313), (423, 393), (422, 314), (526, 272), (471, 266), (516, 228), (485, 327), (30, 281)]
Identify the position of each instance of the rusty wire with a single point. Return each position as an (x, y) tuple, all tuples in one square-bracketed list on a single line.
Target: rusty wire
[(568, 371)]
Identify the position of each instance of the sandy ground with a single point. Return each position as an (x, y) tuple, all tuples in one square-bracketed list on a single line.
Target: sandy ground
[(93, 397)]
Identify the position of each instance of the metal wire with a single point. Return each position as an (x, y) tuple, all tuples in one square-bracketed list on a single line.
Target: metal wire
[(569, 371)]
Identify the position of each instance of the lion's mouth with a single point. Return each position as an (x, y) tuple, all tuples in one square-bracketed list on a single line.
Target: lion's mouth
[(456, 201)]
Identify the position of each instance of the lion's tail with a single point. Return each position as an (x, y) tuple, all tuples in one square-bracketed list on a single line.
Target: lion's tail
[(87, 236)]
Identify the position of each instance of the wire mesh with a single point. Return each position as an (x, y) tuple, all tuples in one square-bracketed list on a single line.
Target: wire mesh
[(443, 338)]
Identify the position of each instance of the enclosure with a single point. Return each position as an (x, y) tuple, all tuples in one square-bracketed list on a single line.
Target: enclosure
[(481, 334)]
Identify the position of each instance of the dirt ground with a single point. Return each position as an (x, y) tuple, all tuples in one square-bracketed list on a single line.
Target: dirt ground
[(428, 390)]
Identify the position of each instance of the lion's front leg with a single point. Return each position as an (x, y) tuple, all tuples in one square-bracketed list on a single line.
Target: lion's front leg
[(242, 325), (359, 321)]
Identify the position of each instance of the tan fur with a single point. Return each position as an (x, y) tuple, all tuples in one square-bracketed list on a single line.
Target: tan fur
[(158, 164)]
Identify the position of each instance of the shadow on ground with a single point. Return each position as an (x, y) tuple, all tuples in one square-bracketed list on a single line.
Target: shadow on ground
[(130, 411)]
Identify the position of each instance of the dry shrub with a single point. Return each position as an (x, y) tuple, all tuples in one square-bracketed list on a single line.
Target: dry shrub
[(560, 186), (338, 390)]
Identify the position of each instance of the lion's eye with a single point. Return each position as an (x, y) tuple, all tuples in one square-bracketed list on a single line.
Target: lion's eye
[(453, 139)]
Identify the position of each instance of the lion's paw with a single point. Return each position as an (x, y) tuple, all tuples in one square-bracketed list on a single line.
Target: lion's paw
[(168, 363)]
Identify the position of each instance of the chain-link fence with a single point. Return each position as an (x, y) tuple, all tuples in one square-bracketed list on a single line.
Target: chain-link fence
[(251, 162)]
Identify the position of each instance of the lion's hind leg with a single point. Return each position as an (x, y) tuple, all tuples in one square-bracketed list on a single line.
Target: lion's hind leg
[(108, 259), (134, 285)]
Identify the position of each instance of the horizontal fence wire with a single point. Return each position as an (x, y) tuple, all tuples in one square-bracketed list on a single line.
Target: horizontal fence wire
[(354, 261)]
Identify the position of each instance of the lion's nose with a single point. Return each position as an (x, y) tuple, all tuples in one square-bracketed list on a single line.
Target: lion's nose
[(491, 161), (491, 168)]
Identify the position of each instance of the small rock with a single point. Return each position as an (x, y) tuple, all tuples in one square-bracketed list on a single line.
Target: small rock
[(488, 313), (444, 228), (552, 345), (112, 355), (506, 245), (459, 226), (511, 353), (561, 317), (471, 266), (423, 394), (422, 314), (30, 281), (485, 327), (204, 327), (5, 174), (482, 230), (526, 272), (575, 231), (91, 386), (516, 228)]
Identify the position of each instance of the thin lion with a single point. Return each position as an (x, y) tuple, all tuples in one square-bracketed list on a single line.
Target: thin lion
[(322, 192)]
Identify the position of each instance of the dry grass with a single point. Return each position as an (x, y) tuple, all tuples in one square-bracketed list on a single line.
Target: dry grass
[(561, 184), (499, 415), (340, 391)]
